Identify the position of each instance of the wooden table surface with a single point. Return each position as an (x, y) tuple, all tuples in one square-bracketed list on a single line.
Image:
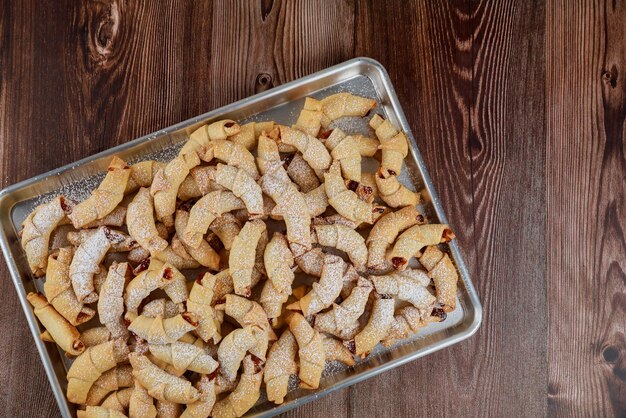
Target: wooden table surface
[(518, 108)]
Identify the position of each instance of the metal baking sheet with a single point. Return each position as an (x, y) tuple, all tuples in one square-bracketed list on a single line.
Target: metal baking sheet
[(361, 76)]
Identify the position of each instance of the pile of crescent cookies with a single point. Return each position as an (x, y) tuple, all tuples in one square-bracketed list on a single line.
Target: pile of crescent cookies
[(255, 257)]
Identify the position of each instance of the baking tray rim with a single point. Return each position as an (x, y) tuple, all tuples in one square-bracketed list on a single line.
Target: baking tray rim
[(6, 206)]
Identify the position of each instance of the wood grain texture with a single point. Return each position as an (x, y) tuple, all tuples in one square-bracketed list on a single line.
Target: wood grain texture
[(518, 109), (586, 189)]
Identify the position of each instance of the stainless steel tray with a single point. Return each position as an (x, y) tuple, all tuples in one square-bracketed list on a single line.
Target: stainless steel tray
[(362, 76)]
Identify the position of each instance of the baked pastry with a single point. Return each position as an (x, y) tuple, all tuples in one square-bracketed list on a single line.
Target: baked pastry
[(336, 351), (393, 144), (410, 320), (235, 155), (161, 385), (312, 150), (141, 223), (168, 409), (164, 188), (141, 404), (226, 227), (105, 198), (138, 255), (58, 288), (59, 329), (223, 286), (204, 254), (162, 307), (316, 201), (99, 412), (169, 256), (346, 149), (302, 174), (384, 233), (377, 326), (279, 262), (120, 242), (158, 275), (209, 142), (242, 185), (310, 351), (142, 175), (290, 202), (118, 400), (184, 356), (86, 263), (245, 395), (339, 105), (162, 331), (111, 299), (200, 305), (281, 364), (350, 280), (411, 241), (343, 319), (392, 192), (408, 285), (326, 290), (310, 118), (368, 148), (200, 143), (203, 406), (90, 365), (243, 255), (198, 183), (345, 201), (444, 276), (233, 349), (211, 206), (110, 381), (250, 132), (311, 262), (345, 239), (115, 218), (94, 336), (249, 313)]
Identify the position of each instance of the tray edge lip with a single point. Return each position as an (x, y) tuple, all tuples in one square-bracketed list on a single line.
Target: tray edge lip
[(6, 207)]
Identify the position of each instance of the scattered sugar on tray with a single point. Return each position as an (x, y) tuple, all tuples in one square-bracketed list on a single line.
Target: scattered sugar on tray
[(333, 367), (292, 385), (80, 190)]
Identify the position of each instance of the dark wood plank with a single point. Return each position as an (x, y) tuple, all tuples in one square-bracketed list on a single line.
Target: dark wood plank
[(586, 96), (473, 89)]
